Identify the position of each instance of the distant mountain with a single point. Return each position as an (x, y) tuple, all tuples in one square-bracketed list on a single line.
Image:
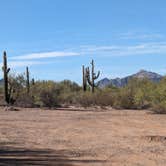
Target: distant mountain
[(120, 82), (104, 82)]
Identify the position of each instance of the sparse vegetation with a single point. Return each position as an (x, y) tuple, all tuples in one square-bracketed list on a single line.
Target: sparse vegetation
[(137, 94)]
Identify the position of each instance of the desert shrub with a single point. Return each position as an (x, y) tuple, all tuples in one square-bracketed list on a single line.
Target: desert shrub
[(1, 96), (137, 94), (45, 94), (159, 108), (51, 94), (18, 91), (101, 97), (25, 100), (144, 93), (159, 97), (125, 96), (68, 85), (16, 86), (106, 97), (68, 92), (85, 99)]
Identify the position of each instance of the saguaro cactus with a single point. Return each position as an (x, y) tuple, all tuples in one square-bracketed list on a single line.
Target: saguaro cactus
[(6, 83), (91, 79), (33, 81), (27, 80), (84, 78)]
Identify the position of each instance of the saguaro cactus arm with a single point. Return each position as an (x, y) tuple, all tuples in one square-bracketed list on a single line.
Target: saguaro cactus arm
[(8, 70), (96, 76)]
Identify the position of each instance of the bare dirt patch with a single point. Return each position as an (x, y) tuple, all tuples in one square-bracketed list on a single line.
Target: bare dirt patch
[(77, 137)]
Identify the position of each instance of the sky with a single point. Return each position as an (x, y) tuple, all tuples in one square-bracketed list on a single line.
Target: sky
[(56, 37)]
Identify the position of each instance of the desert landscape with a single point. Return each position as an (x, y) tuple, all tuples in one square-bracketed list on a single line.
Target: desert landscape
[(82, 83), (77, 137)]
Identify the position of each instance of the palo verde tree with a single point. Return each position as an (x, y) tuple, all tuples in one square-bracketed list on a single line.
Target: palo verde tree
[(91, 79)]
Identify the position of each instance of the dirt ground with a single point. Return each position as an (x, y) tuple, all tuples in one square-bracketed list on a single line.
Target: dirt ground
[(79, 137)]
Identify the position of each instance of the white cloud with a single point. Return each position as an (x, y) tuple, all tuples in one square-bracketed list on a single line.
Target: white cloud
[(44, 55), (156, 48), (14, 64), (124, 50)]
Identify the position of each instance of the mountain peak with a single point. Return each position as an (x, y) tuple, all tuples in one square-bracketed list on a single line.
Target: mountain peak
[(143, 71), (147, 74), (104, 82), (120, 82)]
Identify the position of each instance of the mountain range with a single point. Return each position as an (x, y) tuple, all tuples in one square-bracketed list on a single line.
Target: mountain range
[(120, 82)]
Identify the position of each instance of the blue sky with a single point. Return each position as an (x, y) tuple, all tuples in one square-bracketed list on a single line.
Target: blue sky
[(55, 37)]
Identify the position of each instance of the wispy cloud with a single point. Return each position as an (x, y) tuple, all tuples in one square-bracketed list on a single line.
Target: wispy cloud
[(45, 55), (14, 64), (146, 36), (156, 48), (124, 50)]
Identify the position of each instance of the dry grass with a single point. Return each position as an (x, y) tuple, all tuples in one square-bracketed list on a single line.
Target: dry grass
[(66, 138)]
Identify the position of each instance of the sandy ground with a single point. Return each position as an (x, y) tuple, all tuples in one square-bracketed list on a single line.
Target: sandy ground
[(78, 138)]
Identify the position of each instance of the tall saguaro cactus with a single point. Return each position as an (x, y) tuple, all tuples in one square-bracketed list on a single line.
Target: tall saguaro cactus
[(84, 78), (27, 80), (6, 83), (33, 81), (91, 79)]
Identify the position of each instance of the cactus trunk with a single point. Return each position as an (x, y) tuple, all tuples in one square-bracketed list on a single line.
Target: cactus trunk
[(5, 72), (93, 85), (27, 80), (84, 79)]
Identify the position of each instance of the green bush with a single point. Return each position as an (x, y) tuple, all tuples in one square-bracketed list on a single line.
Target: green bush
[(105, 97), (144, 93), (159, 97), (159, 108), (45, 94)]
